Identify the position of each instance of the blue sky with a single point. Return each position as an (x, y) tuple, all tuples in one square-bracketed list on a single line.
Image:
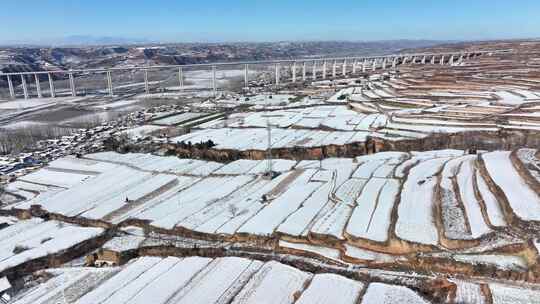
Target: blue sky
[(270, 20)]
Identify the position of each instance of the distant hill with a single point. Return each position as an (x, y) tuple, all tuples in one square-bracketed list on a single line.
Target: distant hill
[(78, 52)]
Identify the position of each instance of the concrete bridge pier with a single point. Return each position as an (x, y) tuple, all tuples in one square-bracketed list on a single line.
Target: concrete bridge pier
[(404, 61), (109, 84), (384, 63), (324, 70), (214, 80), (334, 69), (10, 85), (146, 86), (25, 88), (364, 65), (344, 72), (424, 60), (38, 86), (51, 85), (246, 76), (460, 60), (374, 66), (304, 71), (451, 61), (294, 72), (413, 61), (314, 70), (277, 74), (181, 77), (355, 62), (442, 60), (433, 59), (394, 62), (72, 85)]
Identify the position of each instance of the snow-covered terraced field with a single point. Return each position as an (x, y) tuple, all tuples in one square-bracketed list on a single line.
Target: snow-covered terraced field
[(168, 280), (445, 226), (256, 138), (393, 202), (391, 119), (34, 238), (205, 280), (177, 119), (416, 221)]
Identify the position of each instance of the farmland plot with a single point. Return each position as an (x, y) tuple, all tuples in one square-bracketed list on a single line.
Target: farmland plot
[(133, 194), (277, 210), (240, 210), (343, 167), (384, 293), (67, 283), (456, 225), (366, 169), (371, 217), (278, 165), (229, 206), (240, 166), (169, 282), (243, 139), (143, 287), (273, 283), (507, 294), (360, 254), (130, 273), (32, 239), (132, 211), (333, 221), (348, 192), (78, 164), (55, 178), (84, 197), (30, 191), (531, 162), (176, 208), (326, 252), (507, 262), (152, 163), (524, 201), (415, 221), (468, 293), (326, 288), (493, 209), (472, 206), (217, 282), (297, 224)]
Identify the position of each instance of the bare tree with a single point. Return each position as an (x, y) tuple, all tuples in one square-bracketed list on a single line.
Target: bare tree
[(2, 191), (233, 210)]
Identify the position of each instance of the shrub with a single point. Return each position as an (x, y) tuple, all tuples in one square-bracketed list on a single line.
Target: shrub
[(20, 248)]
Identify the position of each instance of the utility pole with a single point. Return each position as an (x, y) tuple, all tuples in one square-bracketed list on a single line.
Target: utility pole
[(269, 174), (214, 83), (269, 169)]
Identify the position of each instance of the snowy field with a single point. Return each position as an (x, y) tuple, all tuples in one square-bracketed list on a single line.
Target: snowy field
[(177, 119), (238, 280), (418, 198), (204, 280), (31, 239), (341, 124)]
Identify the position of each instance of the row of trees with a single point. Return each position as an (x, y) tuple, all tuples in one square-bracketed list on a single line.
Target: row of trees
[(18, 140)]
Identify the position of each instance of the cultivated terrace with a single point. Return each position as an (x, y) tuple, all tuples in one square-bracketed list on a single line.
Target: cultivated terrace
[(418, 184)]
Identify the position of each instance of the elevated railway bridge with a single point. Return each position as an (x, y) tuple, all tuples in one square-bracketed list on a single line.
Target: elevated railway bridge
[(107, 81)]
